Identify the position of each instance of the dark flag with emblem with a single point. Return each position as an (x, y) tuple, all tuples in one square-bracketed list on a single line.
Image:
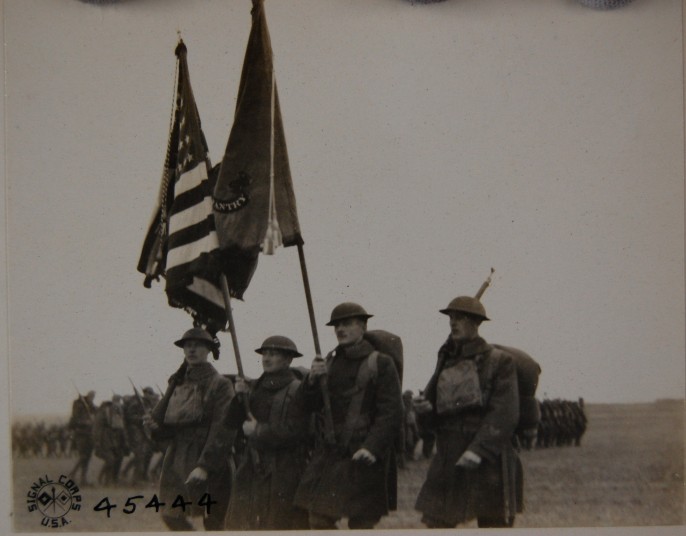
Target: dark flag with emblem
[(254, 204), (181, 244)]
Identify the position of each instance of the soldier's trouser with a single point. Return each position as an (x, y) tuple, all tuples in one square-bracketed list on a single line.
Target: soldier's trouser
[(81, 466)]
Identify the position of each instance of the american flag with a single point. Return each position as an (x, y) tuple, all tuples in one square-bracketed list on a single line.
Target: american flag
[(182, 244)]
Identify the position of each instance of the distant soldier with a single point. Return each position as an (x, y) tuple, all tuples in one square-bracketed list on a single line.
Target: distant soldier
[(140, 441), (38, 439), (51, 441), (473, 402), (410, 429), (348, 474), (275, 454), (81, 426), (63, 440), (581, 421), (109, 437), (192, 416)]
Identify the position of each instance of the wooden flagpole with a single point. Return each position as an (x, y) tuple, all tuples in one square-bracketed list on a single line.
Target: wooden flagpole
[(329, 434), (232, 327)]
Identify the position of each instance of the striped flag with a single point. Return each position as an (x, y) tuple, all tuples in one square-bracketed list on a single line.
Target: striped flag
[(181, 244)]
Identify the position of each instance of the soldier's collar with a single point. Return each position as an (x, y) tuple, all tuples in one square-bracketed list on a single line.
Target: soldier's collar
[(200, 371), (467, 350), (474, 347), (276, 380), (355, 351)]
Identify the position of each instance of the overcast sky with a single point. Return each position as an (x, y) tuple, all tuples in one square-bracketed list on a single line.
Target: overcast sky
[(428, 143)]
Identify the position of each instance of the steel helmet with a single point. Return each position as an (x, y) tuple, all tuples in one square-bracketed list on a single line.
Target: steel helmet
[(197, 334), (281, 343), (347, 310), (466, 304)]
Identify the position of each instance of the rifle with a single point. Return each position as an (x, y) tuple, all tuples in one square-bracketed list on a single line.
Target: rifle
[(145, 410), (83, 400), (484, 285), (139, 397)]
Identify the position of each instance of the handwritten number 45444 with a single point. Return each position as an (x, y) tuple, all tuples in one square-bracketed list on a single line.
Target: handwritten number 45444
[(130, 506)]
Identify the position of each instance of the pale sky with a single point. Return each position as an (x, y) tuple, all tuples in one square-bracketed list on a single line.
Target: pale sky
[(427, 143)]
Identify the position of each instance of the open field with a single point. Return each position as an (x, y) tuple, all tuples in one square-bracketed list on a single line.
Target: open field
[(629, 471)]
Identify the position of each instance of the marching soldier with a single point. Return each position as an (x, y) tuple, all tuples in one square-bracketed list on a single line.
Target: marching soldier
[(140, 441), (192, 416), (109, 438), (276, 431), (472, 402), (81, 426), (347, 476)]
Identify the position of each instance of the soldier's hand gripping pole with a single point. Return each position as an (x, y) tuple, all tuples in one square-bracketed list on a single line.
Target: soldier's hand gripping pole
[(329, 435), (234, 339), (484, 285)]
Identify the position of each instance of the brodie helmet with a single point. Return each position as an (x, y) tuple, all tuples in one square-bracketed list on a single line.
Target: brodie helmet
[(280, 343), (197, 334), (347, 310), (466, 304)]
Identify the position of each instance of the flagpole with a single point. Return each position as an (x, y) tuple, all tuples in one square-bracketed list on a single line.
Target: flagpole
[(324, 383), (232, 327)]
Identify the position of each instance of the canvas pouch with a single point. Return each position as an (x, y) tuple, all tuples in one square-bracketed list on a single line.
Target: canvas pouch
[(185, 406), (117, 420), (458, 388)]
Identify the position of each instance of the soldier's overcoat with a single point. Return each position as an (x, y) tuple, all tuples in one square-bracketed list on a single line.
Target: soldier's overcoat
[(274, 459), (452, 495), (109, 436), (196, 438), (333, 485), (81, 425)]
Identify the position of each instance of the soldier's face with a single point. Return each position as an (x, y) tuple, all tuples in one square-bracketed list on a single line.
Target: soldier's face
[(195, 352), (274, 361), (350, 330), (463, 327)]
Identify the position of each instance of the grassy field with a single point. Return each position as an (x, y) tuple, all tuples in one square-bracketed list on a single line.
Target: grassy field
[(629, 471)]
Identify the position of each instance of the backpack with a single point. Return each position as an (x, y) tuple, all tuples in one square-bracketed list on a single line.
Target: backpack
[(390, 344), (528, 371)]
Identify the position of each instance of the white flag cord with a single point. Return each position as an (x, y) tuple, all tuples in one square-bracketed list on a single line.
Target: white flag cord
[(272, 238)]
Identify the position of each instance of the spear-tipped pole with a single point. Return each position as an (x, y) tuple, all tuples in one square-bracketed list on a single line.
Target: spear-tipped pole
[(484, 285)]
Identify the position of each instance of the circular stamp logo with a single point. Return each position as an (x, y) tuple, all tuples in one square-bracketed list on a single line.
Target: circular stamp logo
[(54, 499)]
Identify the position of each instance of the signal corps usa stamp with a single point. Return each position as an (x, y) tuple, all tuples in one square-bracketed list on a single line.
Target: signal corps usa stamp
[(53, 500)]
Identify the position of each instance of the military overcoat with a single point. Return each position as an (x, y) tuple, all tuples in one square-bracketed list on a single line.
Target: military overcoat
[(452, 495), (81, 424), (333, 485), (109, 436), (197, 437), (273, 462)]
